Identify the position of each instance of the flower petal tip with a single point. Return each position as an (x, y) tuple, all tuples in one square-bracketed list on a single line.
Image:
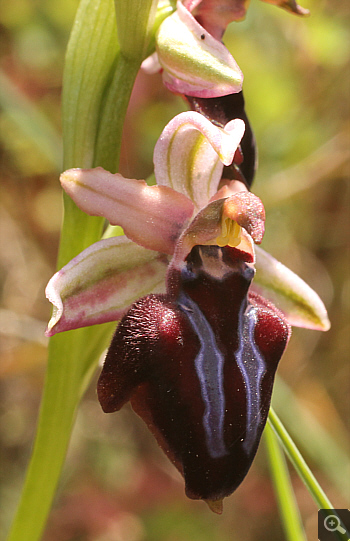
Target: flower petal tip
[(49, 330), (151, 64), (215, 505), (318, 321), (325, 324), (54, 297), (70, 175), (300, 304), (100, 283), (290, 5)]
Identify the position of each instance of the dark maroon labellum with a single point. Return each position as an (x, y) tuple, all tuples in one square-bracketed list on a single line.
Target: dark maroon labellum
[(198, 366)]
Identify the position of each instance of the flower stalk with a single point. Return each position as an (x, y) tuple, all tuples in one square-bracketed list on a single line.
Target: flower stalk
[(92, 59), (303, 470), (283, 487)]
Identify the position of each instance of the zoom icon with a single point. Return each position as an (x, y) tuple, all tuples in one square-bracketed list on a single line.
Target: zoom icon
[(334, 524)]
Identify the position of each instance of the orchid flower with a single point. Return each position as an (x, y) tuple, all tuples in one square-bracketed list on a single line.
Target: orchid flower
[(189, 51), (198, 66), (193, 62), (196, 355)]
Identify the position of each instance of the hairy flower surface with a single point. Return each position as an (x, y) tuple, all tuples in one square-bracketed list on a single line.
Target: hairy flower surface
[(197, 358)]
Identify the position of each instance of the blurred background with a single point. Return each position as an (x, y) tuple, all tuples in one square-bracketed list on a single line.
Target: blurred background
[(116, 485)]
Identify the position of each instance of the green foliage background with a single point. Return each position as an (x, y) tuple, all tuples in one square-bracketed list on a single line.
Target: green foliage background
[(116, 483)]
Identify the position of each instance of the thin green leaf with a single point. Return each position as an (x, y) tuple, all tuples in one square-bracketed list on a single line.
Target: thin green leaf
[(72, 359), (302, 468), (112, 113), (329, 454), (283, 488)]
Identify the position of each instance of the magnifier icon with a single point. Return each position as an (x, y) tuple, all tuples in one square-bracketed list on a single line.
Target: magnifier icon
[(332, 523)]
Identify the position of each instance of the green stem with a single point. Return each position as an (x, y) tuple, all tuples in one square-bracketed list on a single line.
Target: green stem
[(78, 232), (283, 488), (112, 114), (62, 392), (302, 468), (328, 452), (97, 85)]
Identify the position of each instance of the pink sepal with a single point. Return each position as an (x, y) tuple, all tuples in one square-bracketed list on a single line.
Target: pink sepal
[(299, 303), (101, 283), (151, 216)]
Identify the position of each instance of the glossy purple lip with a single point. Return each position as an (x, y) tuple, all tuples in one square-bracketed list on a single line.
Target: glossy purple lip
[(198, 366)]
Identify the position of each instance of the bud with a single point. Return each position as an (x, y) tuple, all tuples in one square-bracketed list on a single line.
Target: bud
[(194, 62)]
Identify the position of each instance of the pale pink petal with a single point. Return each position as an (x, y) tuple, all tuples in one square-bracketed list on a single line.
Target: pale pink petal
[(152, 216), (289, 5), (151, 64), (101, 282), (214, 16), (300, 304), (194, 62), (190, 153)]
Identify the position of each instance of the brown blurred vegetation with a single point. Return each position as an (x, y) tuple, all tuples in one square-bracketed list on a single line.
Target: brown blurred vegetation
[(117, 486)]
